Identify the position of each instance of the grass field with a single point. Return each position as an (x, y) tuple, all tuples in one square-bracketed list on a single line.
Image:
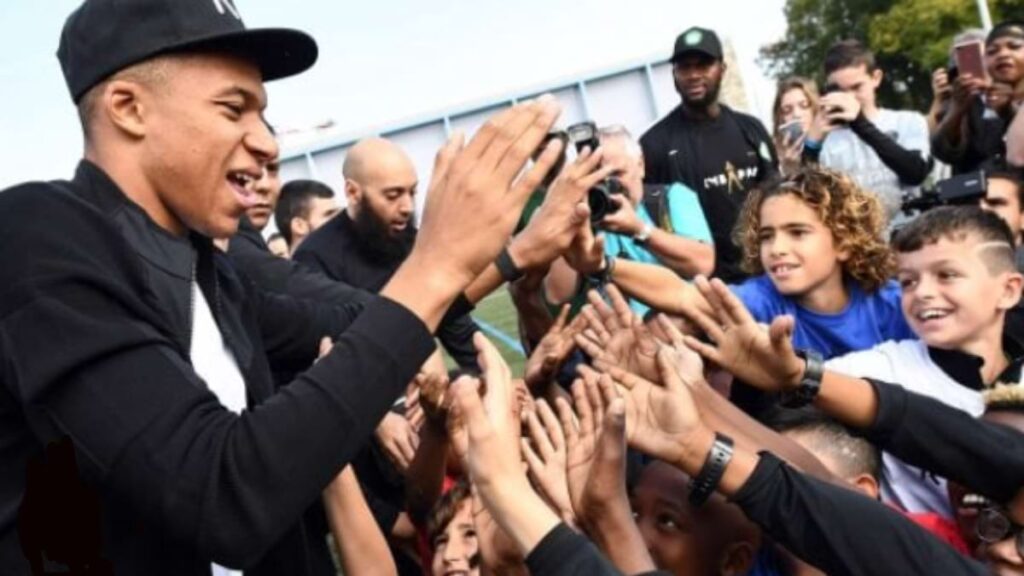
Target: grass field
[(497, 314)]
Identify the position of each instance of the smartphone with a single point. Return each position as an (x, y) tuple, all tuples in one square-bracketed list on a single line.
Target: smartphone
[(791, 131), (970, 58)]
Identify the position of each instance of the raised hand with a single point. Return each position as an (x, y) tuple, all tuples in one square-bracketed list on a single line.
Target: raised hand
[(399, 440), (559, 219), (552, 350), (581, 431), (762, 358), (545, 453), (477, 193), (615, 336), (661, 421)]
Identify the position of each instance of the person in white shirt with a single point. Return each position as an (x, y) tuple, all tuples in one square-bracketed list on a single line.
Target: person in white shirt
[(885, 151)]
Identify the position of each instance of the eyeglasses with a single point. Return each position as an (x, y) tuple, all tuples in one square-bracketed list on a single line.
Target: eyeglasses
[(995, 526)]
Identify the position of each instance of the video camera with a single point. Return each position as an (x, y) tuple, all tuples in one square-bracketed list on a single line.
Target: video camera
[(599, 198), (963, 190)]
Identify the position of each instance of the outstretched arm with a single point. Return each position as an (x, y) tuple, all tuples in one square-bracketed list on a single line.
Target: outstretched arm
[(361, 546)]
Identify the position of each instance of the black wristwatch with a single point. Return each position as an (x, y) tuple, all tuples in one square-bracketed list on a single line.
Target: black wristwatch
[(810, 383), (508, 269), (603, 276), (706, 482)]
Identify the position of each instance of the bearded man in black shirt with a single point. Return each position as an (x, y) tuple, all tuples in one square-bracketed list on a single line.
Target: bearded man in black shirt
[(716, 151), (369, 240)]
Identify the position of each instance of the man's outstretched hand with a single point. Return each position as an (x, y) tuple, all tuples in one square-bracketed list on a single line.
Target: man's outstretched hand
[(476, 195)]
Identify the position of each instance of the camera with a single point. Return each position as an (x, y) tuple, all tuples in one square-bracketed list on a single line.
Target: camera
[(829, 89), (963, 190), (599, 198)]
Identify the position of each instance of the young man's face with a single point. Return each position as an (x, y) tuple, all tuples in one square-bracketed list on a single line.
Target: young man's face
[(1004, 58), (456, 548), (1002, 199), (797, 250), (859, 82), (951, 299), (204, 137), (683, 541), (268, 188), (697, 78)]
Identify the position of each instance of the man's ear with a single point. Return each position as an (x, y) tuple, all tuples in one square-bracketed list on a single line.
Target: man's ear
[(353, 192), (123, 105), (876, 77)]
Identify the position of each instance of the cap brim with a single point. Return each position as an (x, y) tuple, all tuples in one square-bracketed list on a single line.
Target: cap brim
[(676, 57), (278, 52)]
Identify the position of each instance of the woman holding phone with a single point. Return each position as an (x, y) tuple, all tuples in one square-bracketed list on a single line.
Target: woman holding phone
[(796, 103)]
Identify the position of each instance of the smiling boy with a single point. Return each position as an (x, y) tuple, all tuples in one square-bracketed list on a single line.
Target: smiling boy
[(958, 279)]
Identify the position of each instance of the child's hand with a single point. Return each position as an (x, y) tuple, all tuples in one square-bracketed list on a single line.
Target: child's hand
[(762, 358), (545, 453)]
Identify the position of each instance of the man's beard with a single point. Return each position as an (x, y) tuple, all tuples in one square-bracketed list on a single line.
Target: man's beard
[(710, 95), (375, 238)]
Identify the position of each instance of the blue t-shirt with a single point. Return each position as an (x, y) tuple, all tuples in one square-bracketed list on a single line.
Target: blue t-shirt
[(868, 320), (686, 219)]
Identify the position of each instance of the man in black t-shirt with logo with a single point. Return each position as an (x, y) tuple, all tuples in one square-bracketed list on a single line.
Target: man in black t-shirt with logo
[(716, 151)]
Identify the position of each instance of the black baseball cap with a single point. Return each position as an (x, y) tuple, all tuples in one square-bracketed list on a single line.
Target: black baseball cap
[(102, 37), (698, 40)]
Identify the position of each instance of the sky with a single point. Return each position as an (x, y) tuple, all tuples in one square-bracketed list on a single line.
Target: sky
[(384, 61)]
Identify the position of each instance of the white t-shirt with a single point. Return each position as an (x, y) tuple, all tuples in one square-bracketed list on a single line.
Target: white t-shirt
[(216, 365), (844, 151), (907, 364)]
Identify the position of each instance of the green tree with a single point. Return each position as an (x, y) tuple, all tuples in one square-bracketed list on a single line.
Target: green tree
[(910, 38)]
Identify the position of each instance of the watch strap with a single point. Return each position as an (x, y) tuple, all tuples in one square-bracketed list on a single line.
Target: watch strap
[(810, 383), (508, 269), (706, 482)]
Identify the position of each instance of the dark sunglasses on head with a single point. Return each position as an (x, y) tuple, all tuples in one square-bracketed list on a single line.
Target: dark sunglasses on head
[(994, 525)]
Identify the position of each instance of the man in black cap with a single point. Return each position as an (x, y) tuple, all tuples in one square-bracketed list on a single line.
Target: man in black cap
[(716, 151), (140, 429), (981, 109)]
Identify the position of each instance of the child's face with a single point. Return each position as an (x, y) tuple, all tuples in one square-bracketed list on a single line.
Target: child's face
[(456, 549), (797, 250), (950, 297), (795, 106), (859, 82)]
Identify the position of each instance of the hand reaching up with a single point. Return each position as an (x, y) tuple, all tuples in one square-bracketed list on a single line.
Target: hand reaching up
[(615, 336), (762, 358), (545, 453), (549, 355)]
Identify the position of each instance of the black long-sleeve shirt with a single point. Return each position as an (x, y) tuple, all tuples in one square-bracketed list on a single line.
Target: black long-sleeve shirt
[(987, 458), (338, 251), (840, 531), (94, 349), (563, 552), (250, 254)]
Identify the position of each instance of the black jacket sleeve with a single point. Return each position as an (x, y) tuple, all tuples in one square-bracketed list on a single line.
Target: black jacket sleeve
[(83, 356), (249, 253), (456, 335), (563, 552), (911, 168), (988, 458), (841, 531)]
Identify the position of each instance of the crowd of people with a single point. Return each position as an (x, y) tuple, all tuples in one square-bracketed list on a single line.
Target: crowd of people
[(750, 351)]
